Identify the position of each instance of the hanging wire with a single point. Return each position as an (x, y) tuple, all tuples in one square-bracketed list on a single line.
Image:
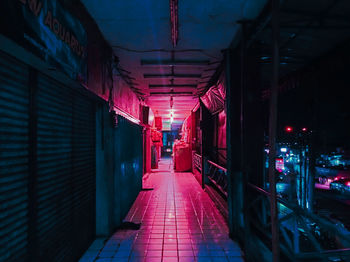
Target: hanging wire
[(166, 51)]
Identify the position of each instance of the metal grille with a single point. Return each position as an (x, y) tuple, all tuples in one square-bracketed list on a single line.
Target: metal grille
[(14, 102)]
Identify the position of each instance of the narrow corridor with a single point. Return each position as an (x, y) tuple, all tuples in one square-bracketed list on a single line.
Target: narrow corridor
[(247, 96), (179, 222)]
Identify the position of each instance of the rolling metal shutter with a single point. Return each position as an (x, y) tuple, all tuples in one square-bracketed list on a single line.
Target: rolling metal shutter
[(54, 170), (66, 171), (84, 173), (47, 166), (14, 159)]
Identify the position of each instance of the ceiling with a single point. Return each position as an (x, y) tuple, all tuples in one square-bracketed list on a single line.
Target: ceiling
[(308, 30), (140, 35)]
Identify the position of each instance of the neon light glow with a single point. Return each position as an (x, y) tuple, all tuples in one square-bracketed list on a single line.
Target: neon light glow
[(122, 113), (289, 129)]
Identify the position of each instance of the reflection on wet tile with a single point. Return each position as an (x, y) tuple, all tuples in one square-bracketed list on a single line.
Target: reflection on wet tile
[(179, 223)]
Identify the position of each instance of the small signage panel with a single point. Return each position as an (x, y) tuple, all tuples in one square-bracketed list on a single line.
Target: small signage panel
[(45, 28)]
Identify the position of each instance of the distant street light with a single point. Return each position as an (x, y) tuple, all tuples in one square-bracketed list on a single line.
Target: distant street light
[(288, 129)]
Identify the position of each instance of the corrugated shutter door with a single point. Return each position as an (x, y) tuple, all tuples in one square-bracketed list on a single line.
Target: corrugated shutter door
[(47, 166), (14, 102), (66, 171), (84, 178), (54, 152)]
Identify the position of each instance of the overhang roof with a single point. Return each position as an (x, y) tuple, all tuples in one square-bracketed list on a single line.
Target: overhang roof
[(140, 35)]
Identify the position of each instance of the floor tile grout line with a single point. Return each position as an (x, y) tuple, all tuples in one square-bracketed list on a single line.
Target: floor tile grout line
[(175, 213), (182, 210), (147, 206)]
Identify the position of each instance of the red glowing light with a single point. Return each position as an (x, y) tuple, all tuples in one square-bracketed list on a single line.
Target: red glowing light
[(304, 129), (289, 129), (348, 183)]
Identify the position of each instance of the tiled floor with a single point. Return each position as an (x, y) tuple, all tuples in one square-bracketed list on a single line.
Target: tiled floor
[(179, 223)]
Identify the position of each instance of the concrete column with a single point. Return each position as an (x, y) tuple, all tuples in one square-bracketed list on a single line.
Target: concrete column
[(234, 141), (104, 171)]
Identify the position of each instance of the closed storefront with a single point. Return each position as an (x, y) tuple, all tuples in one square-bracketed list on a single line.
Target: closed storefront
[(68, 172), (14, 159), (47, 166)]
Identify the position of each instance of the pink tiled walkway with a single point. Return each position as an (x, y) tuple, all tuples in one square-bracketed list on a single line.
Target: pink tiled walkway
[(179, 223)]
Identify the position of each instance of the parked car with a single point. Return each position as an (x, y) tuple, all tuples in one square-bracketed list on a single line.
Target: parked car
[(340, 185), (326, 175)]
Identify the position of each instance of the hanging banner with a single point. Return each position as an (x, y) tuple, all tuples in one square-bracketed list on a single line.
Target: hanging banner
[(214, 98), (45, 28)]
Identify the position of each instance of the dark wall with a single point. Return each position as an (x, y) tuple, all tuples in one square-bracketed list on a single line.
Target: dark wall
[(101, 61), (100, 79)]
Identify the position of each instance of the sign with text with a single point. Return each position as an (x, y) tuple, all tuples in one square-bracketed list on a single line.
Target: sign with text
[(47, 29)]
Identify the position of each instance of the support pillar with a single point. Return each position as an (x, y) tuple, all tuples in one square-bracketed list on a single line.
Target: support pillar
[(104, 172), (272, 131), (234, 143)]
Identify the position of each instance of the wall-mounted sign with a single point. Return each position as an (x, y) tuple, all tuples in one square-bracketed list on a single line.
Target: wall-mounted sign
[(47, 29)]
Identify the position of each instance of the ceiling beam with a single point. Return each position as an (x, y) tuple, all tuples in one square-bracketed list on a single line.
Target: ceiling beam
[(317, 27), (172, 75), (259, 24), (170, 62), (315, 16), (321, 25), (172, 86), (172, 93)]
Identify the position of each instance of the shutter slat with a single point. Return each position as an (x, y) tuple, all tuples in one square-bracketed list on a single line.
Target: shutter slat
[(14, 102)]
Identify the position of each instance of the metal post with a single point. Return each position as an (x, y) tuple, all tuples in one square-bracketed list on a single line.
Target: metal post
[(243, 131), (202, 144), (314, 146), (229, 127), (306, 174), (300, 184), (272, 131), (295, 237)]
